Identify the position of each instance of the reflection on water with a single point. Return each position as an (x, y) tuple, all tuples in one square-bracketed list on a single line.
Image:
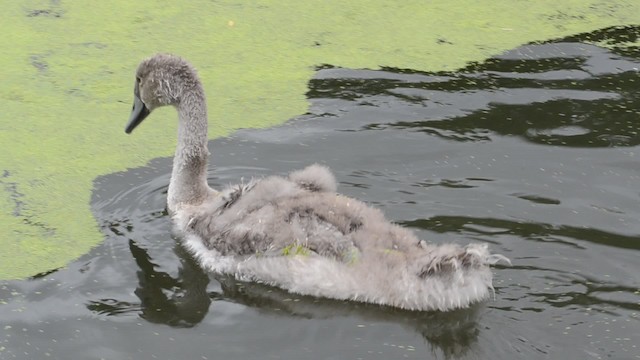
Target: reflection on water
[(533, 151), (590, 97), (568, 235), (180, 301)]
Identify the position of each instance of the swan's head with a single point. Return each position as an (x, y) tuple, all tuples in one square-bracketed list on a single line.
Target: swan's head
[(160, 80)]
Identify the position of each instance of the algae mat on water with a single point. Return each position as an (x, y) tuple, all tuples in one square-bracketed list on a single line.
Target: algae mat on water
[(67, 74)]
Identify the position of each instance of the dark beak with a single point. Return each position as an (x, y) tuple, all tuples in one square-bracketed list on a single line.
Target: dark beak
[(138, 113)]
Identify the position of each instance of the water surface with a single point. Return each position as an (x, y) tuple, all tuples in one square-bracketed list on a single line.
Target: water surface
[(533, 152)]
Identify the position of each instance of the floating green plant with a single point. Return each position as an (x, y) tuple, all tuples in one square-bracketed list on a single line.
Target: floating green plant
[(295, 249)]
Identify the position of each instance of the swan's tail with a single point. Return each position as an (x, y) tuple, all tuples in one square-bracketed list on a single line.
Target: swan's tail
[(457, 276), (455, 260)]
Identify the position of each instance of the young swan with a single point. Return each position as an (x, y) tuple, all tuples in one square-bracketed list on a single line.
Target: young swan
[(295, 232)]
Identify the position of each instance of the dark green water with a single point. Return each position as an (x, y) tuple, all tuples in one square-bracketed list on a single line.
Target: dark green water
[(534, 152)]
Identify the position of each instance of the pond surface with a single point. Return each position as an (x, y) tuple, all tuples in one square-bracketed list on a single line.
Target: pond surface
[(534, 152)]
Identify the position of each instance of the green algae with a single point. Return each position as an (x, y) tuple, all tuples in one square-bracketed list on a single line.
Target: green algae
[(295, 249), (67, 74)]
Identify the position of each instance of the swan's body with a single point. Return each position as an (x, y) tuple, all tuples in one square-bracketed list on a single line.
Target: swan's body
[(296, 232)]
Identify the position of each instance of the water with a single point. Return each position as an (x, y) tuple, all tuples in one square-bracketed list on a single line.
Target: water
[(534, 152)]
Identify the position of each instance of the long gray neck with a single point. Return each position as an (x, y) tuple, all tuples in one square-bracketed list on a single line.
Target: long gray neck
[(188, 184)]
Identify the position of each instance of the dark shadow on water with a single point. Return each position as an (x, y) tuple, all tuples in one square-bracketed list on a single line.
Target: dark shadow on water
[(561, 93), (525, 230), (616, 37), (43, 274)]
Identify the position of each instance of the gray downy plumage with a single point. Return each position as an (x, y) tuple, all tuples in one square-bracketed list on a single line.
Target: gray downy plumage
[(296, 232)]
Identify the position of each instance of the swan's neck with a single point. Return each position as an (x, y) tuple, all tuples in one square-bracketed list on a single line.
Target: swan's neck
[(188, 184)]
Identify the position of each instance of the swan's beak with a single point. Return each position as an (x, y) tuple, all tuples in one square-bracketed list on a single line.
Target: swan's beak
[(138, 113)]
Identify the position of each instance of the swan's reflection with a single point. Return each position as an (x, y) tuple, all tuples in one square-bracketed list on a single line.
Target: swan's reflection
[(180, 301)]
